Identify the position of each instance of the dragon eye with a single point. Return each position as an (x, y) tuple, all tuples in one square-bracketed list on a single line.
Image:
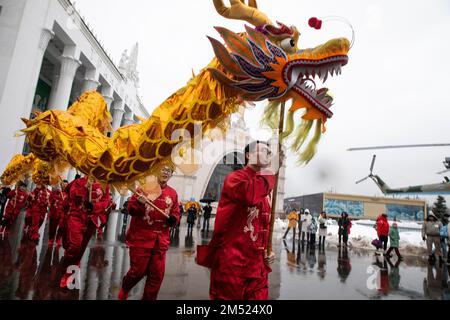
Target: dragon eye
[(288, 44)]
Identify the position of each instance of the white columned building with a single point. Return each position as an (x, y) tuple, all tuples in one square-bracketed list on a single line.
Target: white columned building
[(48, 58), (69, 65)]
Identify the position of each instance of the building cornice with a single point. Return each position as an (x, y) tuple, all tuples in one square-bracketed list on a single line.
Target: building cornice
[(67, 5)]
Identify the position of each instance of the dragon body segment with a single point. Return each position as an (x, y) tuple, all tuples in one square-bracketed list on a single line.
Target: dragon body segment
[(263, 63)]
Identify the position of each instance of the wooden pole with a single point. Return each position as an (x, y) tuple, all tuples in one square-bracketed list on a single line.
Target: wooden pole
[(275, 189), (148, 201)]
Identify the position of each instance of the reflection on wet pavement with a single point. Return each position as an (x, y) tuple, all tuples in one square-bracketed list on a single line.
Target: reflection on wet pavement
[(32, 272), (351, 274)]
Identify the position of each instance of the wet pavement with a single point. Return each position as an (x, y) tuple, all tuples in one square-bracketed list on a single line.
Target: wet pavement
[(30, 271)]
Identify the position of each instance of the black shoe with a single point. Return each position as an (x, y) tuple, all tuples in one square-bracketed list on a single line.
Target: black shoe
[(431, 259)]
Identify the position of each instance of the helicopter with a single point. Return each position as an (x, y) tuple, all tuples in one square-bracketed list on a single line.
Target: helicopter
[(428, 189)]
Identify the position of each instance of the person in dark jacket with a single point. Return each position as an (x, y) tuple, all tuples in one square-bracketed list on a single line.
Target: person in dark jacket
[(191, 217), (343, 224), (207, 210), (125, 216), (3, 199)]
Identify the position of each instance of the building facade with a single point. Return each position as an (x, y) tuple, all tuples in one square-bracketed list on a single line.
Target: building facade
[(359, 207), (48, 58)]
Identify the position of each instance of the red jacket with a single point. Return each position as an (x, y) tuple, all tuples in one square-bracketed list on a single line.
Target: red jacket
[(16, 203), (79, 197), (58, 204), (382, 226), (104, 211), (148, 227), (38, 201), (242, 225)]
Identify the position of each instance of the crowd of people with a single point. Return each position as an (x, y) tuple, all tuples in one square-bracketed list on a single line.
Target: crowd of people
[(435, 233), (309, 227)]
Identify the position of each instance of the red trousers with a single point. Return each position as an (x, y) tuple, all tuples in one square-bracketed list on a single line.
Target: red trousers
[(230, 287), (11, 217), (53, 228), (146, 262), (78, 234), (37, 219)]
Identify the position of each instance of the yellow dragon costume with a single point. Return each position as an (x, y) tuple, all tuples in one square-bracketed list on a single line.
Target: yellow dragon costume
[(264, 63)]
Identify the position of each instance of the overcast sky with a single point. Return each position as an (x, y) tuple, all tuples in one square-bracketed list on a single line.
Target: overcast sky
[(395, 89)]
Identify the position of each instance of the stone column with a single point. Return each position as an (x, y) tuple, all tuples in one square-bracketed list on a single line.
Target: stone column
[(44, 40), (118, 111), (111, 230), (129, 118), (55, 81), (108, 95), (90, 82), (69, 66)]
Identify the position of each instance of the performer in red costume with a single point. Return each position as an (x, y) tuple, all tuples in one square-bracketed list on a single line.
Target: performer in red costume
[(17, 201), (237, 252), (58, 205), (148, 237), (38, 206), (85, 200), (103, 216)]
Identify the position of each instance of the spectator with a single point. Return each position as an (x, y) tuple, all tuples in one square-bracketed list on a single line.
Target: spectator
[(312, 231), (382, 231), (343, 224), (306, 221), (207, 210), (293, 219), (322, 229), (431, 234), (394, 237), (444, 235), (191, 217)]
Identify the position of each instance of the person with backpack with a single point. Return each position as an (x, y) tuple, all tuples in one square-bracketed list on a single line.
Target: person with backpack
[(394, 237)]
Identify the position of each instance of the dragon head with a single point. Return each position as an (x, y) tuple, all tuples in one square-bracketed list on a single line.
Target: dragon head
[(266, 63)]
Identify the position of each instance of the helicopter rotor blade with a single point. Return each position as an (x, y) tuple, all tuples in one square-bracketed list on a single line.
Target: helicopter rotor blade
[(401, 146), (362, 180), (373, 163)]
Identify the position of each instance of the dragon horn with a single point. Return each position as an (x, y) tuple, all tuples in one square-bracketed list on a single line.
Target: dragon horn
[(240, 11)]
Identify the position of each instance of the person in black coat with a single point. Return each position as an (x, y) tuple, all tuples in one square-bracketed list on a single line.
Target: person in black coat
[(3, 199), (191, 217), (343, 223), (207, 210)]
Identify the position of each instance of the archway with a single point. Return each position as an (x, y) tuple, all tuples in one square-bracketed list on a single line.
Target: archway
[(229, 163)]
